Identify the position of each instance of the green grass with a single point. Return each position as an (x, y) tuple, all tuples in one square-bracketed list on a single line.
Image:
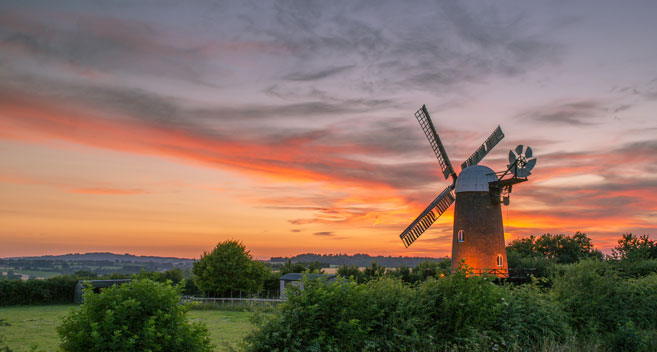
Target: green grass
[(37, 273), (35, 325)]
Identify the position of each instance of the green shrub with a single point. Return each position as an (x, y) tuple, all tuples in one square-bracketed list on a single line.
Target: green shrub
[(58, 289), (451, 313), (600, 302), (141, 315)]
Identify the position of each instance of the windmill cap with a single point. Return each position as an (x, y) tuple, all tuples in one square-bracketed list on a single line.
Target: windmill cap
[(475, 178)]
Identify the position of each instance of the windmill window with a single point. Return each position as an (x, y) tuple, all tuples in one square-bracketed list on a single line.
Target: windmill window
[(500, 261), (460, 236)]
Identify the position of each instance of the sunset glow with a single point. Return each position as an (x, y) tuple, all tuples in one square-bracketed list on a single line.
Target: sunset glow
[(164, 129)]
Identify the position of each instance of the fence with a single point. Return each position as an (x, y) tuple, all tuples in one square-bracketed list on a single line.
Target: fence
[(231, 301)]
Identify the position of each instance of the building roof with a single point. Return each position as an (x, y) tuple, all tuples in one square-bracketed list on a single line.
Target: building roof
[(475, 178), (300, 276)]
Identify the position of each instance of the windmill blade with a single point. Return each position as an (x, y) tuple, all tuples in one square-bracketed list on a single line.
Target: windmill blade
[(428, 216), (483, 149), (423, 118), (529, 152), (512, 157), (519, 149)]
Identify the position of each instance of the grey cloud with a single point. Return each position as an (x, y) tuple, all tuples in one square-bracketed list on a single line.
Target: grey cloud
[(456, 45), (324, 233), (313, 76), (577, 113)]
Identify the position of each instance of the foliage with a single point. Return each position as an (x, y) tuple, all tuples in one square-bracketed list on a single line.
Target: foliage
[(374, 271), (558, 248), (538, 266), (600, 302), (229, 267), (175, 275), (36, 326), (455, 312), (141, 315), (631, 247), (290, 267), (350, 271), (58, 289)]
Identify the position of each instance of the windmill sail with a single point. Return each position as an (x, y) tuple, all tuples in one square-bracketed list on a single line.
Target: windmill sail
[(428, 216), (423, 118), (483, 149)]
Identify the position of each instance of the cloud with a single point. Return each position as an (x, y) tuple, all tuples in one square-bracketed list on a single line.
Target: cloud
[(574, 113), (324, 234), (313, 76), (107, 191)]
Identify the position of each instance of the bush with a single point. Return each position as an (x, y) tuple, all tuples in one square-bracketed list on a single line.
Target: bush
[(141, 315), (600, 302), (451, 313), (59, 289)]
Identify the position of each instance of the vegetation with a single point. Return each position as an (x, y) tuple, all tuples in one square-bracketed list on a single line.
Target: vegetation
[(99, 263), (577, 300), (55, 290), (35, 326), (581, 302), (141, 315), (229, 267), (454, 312), (358, 260)]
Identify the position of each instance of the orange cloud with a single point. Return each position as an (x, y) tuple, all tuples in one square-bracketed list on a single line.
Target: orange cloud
[(107, 191)]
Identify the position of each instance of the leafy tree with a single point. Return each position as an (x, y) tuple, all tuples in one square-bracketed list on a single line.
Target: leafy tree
[(350, 271), (426, 270), (559, 248), (290, 267), (229, 267), (175, 275), (141, 315), (403, 273), (374, 271), (635, 248), (315, 268)]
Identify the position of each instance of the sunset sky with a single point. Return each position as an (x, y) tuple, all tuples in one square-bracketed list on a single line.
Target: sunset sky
[(164, 127)]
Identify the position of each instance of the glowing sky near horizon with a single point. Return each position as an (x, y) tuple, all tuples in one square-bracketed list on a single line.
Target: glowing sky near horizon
[(162, 128)]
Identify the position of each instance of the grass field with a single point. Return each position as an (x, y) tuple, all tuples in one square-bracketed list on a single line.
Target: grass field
[(35, 326)]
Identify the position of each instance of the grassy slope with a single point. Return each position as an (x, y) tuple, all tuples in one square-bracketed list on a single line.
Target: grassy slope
[(35, 325)]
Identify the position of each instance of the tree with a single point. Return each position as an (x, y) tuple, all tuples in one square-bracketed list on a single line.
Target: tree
[(290, 267), (141, 315), (559, 248), (374, 271), (229, 267), (350, 271), (635, 248)]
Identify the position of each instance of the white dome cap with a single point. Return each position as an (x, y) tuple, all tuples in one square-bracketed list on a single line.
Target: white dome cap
[(475, 178)]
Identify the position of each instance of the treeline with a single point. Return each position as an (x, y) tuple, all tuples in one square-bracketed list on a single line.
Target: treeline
[(61, 289), (100, 264), (359, 260), (582, 301)]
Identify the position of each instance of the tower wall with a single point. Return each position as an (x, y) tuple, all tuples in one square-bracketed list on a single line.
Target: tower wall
[(483, 233)]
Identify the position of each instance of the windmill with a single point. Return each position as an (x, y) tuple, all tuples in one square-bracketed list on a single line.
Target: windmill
[(478, 191)]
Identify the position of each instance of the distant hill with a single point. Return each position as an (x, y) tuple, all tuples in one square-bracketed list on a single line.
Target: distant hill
[(356, 259), (106, 256)]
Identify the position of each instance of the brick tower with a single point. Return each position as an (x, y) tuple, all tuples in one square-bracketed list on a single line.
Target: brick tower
[(478, 238)]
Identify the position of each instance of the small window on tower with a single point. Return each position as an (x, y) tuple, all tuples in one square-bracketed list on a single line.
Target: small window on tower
[(459, 236), (500, 261)]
